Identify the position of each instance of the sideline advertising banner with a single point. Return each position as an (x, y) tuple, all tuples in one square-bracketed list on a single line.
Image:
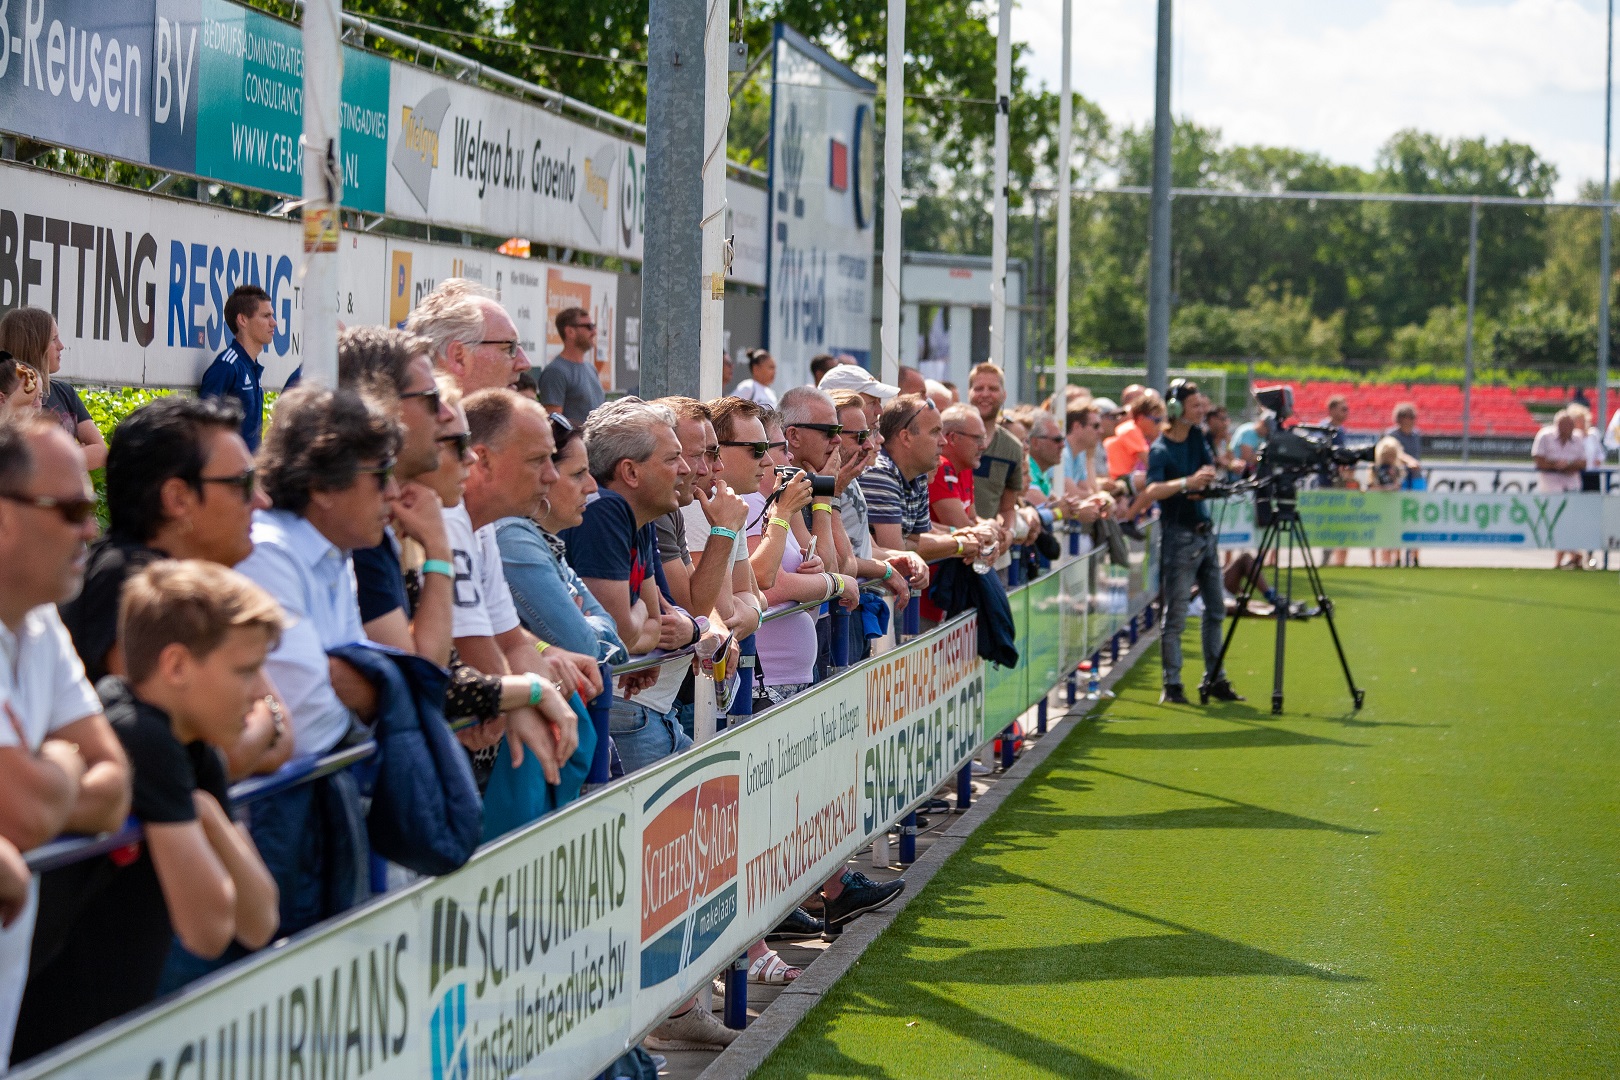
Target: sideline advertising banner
[(138, 282), (821, 223), (555, 947), (1403, 519)]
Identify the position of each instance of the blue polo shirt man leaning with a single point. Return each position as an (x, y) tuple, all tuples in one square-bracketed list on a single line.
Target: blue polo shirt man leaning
[(236, 371)]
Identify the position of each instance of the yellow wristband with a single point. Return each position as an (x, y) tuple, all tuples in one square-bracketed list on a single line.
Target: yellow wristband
[(780, 521), (541, 646), (825, 508)]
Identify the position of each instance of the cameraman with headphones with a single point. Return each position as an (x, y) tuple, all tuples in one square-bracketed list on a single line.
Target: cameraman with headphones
[(1180, 465)]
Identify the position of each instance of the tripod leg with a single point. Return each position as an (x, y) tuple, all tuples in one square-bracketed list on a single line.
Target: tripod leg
[(1357, 695), (1285, 602), (1251, 582)]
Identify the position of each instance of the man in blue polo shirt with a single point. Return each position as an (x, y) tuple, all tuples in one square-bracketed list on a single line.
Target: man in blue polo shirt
[(236, 371)]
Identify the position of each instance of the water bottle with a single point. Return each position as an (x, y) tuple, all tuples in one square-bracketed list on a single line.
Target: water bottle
[(1094, 691)]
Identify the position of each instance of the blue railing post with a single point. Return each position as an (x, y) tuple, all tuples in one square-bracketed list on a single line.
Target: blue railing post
[(1040, 717), (908, 838), (840, 636), (736, 994), (912, 619), (1007, 738), (742, 706), (1113, 648), (1074, 541), (1069, 689), (1133, 631), (599, 708), (964, 786)]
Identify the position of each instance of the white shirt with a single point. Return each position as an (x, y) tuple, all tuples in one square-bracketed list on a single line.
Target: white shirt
[(42, 690), (482, 603), (313, 582), (755, 392), (697, 533)]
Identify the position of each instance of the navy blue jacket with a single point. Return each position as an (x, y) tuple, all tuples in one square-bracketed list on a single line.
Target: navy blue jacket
[(233, 374)]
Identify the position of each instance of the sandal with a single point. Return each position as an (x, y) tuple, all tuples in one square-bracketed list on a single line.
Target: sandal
[(772, 970)]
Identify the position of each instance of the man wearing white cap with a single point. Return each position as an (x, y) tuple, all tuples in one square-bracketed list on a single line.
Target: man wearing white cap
[(854, 377)]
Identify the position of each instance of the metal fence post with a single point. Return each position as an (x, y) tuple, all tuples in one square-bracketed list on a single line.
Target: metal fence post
[(737, 993), (1074, 542), (1007, 738), (840, 637), (908, 838), (601, 705), (742, 706), (1069, 685), (964, 786), (1040, 717), (913, 616)]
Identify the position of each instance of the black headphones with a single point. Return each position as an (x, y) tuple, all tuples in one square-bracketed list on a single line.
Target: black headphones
[(1176, 396)]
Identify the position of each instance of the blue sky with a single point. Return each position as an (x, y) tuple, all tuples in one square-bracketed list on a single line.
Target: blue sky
[(1340, 77)]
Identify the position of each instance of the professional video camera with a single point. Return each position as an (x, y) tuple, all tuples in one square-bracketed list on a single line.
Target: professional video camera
[(1289, 455)]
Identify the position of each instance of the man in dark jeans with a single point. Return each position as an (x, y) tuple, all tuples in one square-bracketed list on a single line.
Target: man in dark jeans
[(1181, 464)]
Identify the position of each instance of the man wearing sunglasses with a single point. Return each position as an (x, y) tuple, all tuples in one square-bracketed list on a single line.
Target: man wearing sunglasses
[(570, 384), (328, 467), (180, 485), (61, 767), (394, 365)]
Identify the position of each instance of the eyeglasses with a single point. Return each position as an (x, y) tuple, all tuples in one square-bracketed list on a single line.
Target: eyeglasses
[(72, 511), (712, 452), (582, 326), (760, 449), (243, 481), (384, 472), (1048, 438), (430, 398), (918, 411), (860, 435), (509, 346), (461, 440)]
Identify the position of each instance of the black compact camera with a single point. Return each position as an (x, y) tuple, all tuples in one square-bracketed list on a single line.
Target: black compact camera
[(821, 486)]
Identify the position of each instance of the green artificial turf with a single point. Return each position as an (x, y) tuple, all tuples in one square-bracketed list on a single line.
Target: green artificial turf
[(1428, 888)]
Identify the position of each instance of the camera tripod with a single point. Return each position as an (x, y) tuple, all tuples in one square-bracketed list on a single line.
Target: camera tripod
[(1284, 528)]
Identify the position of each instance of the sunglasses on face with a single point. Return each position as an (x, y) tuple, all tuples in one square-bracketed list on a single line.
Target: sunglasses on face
[(430, 398), (1048, 438), (859, 434), (461, 440), (582, 326), (759, 449), (384, 472), (918, 411), (712, 452), (72, 511), (832, 431), (509, 346), (242, 481)]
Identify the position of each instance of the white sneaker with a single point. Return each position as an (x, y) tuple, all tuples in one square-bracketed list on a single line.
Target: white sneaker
[(695, 1029), (981, 769)]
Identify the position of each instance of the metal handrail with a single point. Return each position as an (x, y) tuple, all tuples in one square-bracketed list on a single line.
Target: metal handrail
[(67, 850)]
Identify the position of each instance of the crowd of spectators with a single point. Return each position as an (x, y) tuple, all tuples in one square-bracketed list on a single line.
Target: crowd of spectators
[(512, 529)]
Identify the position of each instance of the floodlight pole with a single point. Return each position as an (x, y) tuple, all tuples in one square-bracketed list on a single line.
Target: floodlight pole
[(1468, 331), (672, 284), (894, 129), (1060, 316), (998, 231), (1158, 328), (1604, 278), (323, 188)]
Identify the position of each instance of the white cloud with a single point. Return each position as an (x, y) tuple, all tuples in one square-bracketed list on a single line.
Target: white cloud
[(1341, 78)]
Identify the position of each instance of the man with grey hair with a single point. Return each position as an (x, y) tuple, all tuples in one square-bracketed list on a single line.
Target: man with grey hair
[(474, 340), (635, 456)]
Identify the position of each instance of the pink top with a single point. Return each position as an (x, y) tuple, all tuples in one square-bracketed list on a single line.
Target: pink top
[(787, 645)]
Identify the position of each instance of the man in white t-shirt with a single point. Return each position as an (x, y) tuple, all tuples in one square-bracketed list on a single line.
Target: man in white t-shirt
[(512, 471), (61, 767), (1559, 454)]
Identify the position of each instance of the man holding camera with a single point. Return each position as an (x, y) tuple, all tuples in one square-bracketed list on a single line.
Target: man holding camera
[(1180, 466)]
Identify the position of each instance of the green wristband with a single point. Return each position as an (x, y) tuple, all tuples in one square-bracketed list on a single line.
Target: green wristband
[(537, 688), (439, 566), (716, 530)]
